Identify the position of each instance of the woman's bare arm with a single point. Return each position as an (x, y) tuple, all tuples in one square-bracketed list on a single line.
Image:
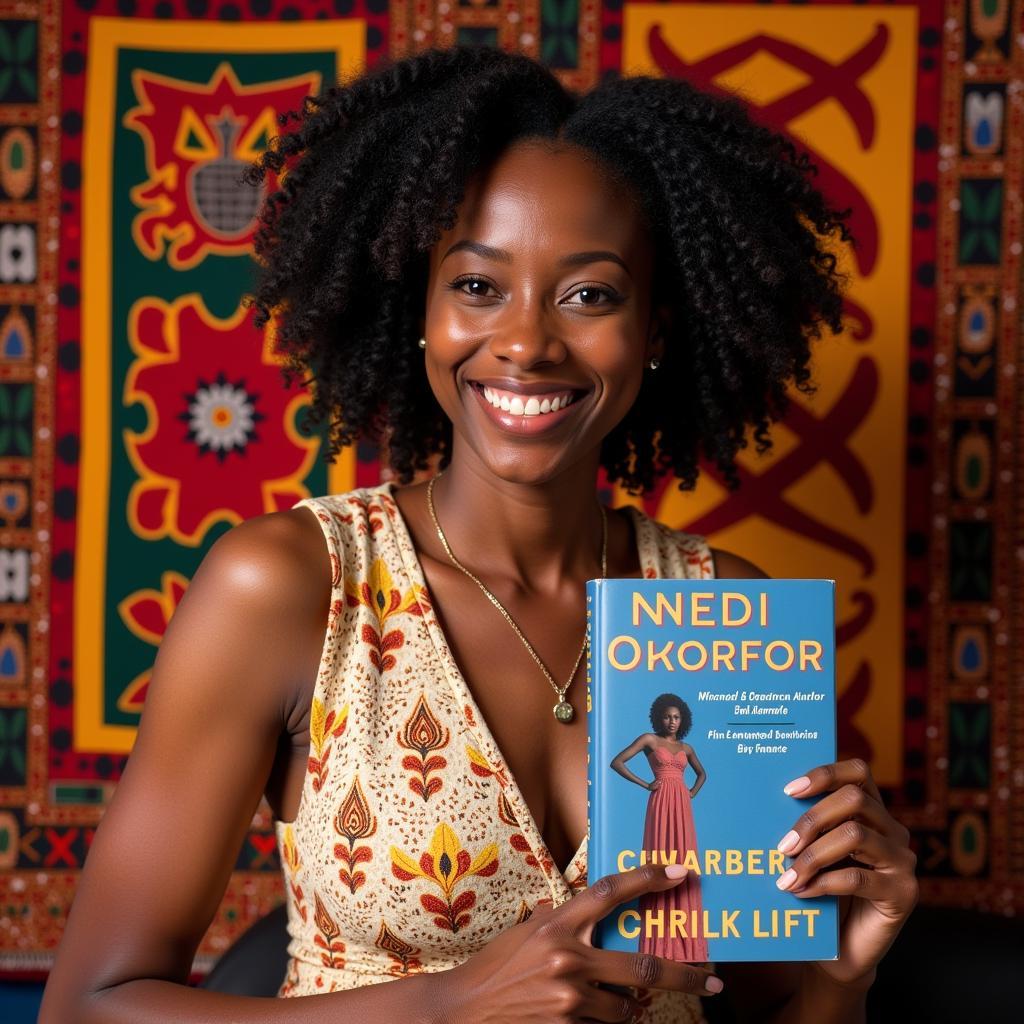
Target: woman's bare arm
[(702, 775), (618, 762), (224, 692)]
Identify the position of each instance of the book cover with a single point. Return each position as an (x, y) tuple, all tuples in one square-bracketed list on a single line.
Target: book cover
[(715, 693)]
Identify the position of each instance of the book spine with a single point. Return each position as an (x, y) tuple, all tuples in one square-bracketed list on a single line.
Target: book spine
[(834, 644), (593, 807)]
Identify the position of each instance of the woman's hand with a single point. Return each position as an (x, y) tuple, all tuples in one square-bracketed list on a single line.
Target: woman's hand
[(546, 970), (849, 845), (654, 785)]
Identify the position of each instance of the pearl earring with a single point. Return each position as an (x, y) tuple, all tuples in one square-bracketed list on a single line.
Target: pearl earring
[(422, 343), (654, 362)]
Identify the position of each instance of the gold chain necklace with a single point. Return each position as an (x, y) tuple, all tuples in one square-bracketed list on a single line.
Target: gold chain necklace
[(563, 710)]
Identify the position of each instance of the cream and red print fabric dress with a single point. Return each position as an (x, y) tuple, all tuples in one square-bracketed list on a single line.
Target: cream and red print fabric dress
[(412, 846)]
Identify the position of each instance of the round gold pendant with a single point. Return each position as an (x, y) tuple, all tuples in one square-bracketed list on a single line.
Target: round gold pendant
[(564, 712)]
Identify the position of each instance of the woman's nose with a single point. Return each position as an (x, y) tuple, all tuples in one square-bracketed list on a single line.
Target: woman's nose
[(528, 340)]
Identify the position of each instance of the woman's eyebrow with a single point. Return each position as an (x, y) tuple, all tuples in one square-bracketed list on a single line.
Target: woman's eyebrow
[(575, 259)]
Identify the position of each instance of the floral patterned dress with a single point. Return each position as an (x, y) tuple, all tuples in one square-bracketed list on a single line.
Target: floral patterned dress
[(412, 846)]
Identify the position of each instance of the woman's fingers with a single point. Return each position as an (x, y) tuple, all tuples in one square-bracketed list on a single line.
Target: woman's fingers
[(577, 918), (828, 777), (579, 915), (600, 1005), (644, 970), (849, 803), (883, 888), (853, 840)]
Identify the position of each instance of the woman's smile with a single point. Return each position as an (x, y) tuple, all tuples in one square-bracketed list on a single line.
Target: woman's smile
[(528, 408)]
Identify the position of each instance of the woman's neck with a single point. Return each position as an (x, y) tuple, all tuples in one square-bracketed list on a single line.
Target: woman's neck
[(535, 535)]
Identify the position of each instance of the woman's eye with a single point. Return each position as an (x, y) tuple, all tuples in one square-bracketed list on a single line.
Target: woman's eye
[(475, 286), (592, 295)]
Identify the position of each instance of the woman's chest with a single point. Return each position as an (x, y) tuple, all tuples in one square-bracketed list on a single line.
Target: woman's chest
[(515, 690), (410, 822)]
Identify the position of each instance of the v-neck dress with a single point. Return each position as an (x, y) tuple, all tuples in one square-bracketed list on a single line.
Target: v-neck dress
[(412, 846)]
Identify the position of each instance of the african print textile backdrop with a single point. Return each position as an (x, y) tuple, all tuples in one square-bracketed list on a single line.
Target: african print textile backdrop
[(141, 414)]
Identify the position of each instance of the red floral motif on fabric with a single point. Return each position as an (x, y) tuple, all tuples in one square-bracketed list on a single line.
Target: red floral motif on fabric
[(480, 766), (292, 864), (331, 947), (324, 726), (446, 864), (379, 594), (404, 956), (424, 734), (517, 840), (354, 821)]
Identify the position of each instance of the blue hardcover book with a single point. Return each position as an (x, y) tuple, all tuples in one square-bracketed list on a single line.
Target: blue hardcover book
[(705, 697)]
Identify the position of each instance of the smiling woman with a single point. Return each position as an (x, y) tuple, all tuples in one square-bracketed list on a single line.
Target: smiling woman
[(664, 215), (541, 288), (468, 261)]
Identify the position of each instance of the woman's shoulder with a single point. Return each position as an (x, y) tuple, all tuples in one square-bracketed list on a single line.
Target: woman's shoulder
[(272, 558), (282, 556)]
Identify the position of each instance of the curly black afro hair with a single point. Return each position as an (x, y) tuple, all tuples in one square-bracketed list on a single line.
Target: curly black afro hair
[(670, 700), (371, 171)]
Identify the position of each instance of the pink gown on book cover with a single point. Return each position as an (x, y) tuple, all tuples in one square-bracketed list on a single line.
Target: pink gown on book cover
[(669, 826)]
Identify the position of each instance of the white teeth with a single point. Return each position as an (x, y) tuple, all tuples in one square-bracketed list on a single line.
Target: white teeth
[(532, 406)]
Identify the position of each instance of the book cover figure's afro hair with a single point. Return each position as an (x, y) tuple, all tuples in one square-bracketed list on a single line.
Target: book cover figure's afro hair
[(375, 170), (670, 700)]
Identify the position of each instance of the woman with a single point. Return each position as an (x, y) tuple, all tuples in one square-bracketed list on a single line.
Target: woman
[(457, 235), (668, 823)]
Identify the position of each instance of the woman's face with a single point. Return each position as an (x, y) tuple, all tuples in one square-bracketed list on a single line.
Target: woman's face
[(671, 719), (538, 312)]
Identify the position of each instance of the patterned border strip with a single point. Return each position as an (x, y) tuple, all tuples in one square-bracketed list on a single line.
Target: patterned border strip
[(1003, 814), (511, 24), (40, 374), (911, 796), (1011, 768)]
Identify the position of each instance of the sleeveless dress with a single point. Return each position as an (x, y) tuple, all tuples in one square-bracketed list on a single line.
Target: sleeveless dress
[(668, 826), (412, 846)]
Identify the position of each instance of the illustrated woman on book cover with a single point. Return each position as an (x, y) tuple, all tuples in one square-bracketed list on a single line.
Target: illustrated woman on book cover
[(669, 830), (518, 293)]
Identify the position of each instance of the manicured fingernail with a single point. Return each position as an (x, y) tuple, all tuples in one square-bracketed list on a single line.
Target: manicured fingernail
[(787, 879), (714, 984), (788, 841), (675, 870), (796, 786)]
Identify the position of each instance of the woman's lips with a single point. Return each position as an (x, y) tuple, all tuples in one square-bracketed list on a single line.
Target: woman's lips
[(508, 409)]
